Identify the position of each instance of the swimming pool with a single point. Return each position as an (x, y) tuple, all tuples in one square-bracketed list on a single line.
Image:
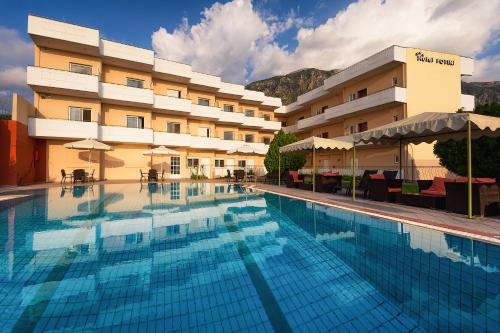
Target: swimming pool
[(215, 257)]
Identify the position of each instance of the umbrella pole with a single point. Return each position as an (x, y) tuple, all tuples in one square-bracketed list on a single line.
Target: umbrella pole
[(469, 170), (313, 169), (90, 159), (279, 169), (400, 159), (353, 171)]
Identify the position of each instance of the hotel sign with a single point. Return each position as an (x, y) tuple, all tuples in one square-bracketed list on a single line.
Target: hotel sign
[(423, 58)]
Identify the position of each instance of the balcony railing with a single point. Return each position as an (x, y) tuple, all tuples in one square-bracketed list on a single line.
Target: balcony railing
[(60, 128), (56, 81), (123, 94), (168, 103), (125, 134)]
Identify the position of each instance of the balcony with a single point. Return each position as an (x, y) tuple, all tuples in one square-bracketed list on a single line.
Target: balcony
[(231, 118), (167, 103), (467, 102), (311, 96), (272, 101), (171, 139), (391, 54), (171, 70), (387, 96), (125, 95), (231, 90), (205, 112), (202, 142), (253, 97), (63, 129), (125, 134), (291, 129), (54, 81), (205, 81), (310, 122), (63, 36), (123, 55), (253, 122), (466, 66), (269, 125)]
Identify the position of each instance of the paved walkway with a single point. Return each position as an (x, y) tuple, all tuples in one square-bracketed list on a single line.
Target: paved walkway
[(482, 228)]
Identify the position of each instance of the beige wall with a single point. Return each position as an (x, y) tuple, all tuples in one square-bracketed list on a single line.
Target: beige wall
[(21, 109), (57, 106), (116, 115), (119, 75), (160, 121), (194, 94), (57, 59)]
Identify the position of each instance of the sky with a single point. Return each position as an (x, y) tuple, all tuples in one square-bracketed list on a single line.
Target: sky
[(245, 40)]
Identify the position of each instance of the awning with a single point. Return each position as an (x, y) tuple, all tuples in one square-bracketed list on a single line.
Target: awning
[(431, 126), (246, 150), (162, 150), (87, 144), (344, 143)]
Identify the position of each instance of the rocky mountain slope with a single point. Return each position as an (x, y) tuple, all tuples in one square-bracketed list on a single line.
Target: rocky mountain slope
[(289, 86)]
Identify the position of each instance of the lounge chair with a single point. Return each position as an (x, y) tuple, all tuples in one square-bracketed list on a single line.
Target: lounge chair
[(381, 188), (65, 176), (239, 175), (325, 183), (294, 180), (153, 175), (144, 175), (79, 175), (485, 196), (432, 194), (363, 184), (390, 174)]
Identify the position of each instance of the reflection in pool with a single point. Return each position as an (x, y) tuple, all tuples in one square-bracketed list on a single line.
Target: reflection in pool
[(204, 256)]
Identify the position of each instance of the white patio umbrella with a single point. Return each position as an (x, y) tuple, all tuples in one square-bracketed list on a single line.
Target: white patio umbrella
[(88, 144), (161, 151), (246, 150)]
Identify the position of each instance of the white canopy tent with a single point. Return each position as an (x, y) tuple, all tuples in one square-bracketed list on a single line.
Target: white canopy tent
[(161, 151), (246, 150), (431, 126), (88, 144), (312, 144)]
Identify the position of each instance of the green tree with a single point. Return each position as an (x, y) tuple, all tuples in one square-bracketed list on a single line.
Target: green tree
[(485, 151), (292, 161)]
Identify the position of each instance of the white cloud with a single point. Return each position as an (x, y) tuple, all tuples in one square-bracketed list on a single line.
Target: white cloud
[(236, 41), (13, 77), (486, 69), (14, 50)]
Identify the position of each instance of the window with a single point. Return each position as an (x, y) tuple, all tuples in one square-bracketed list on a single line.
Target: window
[(228, 108), (249, 113), (203, 101), (266, 117), (175, 191), (173, 230), (175, 165), (204, 131), (352, 129), (219, 163), (136, 238), (174, 93), (173, 128), (242, 163), (362, 93), (219, 188), (351, 97), (395, 81), (266, 140), (193, 162), (80, 114), (324, 135), (79, 68), (229, 135), (395, 118), (396, 159), (135, 122), (249, 138), (362, 127), (323, 109), (284, 124), (301, 118), (136, 83)]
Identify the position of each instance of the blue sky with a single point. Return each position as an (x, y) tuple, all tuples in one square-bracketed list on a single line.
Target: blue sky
[(244, 40)]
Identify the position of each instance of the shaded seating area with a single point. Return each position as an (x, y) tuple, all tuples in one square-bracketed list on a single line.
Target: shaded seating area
[(294, 179), (485, 196), (383, 186), (239, 175)]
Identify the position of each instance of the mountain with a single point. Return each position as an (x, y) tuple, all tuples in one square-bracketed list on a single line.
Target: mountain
[(485, 92), (289, 86)]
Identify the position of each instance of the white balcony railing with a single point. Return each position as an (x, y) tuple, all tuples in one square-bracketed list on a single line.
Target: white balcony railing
[(232, 89), (394, 94), (62, 82), (231, 117), (172, 69), (467, 102), (291, 129), (171, 139), (43, 30), (311, 95), (270, 125), (393, 53), (59, 128), (253, 96), (311, 121), (125, 134), (168, 103), (206, 80), (201, 142), (205, 112), (125, 95), (115, 53)]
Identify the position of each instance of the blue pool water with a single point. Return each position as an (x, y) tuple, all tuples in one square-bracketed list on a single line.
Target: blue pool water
[(213, 257)]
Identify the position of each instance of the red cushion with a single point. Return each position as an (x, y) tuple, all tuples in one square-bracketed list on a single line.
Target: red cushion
[(329, 174), (295, 176), (394, 189), (377, 176), (460, 180), (486, 180), (437, 185), (433, 193)]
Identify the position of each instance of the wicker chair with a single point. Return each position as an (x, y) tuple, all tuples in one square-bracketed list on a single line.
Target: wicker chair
[(485, 197)]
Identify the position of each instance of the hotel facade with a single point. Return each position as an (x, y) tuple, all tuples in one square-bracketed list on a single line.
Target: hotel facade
[(89, 87), (391, 85)]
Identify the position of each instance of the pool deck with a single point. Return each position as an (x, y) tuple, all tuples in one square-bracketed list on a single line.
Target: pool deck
[(481, 228)]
